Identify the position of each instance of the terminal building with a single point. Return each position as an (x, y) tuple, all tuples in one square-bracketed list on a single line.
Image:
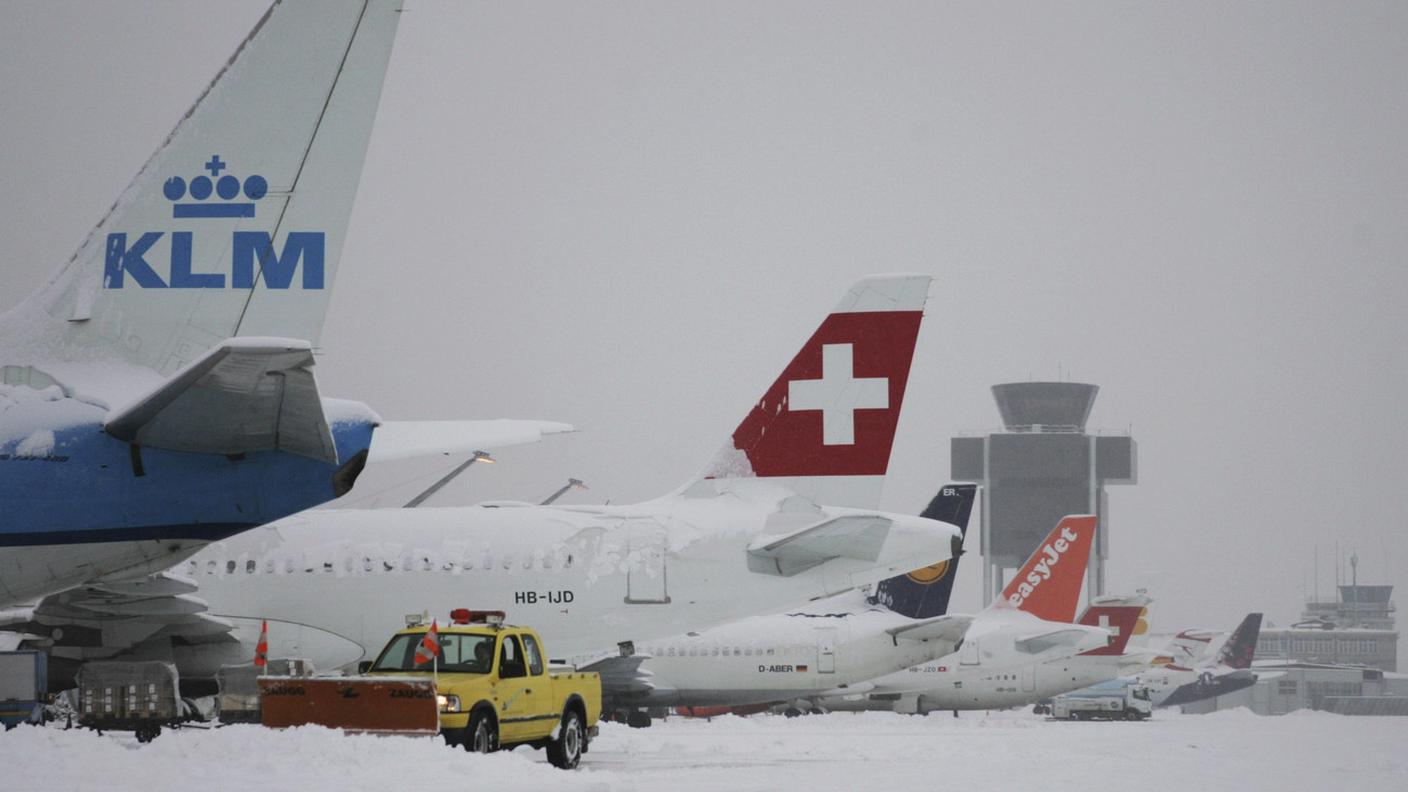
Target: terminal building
[(1357, 629), (1041, 467)]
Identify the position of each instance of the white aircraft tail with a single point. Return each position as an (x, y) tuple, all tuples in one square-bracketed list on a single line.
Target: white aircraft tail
[(235, 225), (826, 426)]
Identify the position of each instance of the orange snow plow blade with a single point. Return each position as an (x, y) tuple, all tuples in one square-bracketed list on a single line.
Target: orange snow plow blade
[(356, 704)]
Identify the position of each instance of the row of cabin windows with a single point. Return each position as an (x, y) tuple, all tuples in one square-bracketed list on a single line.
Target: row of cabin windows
[(368, 564), (729, 651)]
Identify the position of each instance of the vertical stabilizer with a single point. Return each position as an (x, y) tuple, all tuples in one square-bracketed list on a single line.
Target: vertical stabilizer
[(1048, 585), (1241, 645), (925, 592), (826, 425), (1124, 617), (235, 226)]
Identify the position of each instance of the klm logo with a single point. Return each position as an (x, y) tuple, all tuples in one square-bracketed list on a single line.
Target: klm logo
[(252, 253)]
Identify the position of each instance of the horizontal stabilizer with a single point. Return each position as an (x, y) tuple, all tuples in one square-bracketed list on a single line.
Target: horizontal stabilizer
[(406, 439), (622, 677), (940, 628), (1070, 638), (244, 395), (860, 537)]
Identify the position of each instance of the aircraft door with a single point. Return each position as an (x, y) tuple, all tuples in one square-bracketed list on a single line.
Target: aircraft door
[(826, 650), (968, 655), (1029, 679), (646, 573)]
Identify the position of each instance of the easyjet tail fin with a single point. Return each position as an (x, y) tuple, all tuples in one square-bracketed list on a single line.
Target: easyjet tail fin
[(826, 425), (924, 593), (1241, 645), (235, 225), (1048, 585)]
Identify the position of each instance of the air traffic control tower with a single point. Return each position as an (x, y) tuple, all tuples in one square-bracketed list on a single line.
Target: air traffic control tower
[(1042, 467)]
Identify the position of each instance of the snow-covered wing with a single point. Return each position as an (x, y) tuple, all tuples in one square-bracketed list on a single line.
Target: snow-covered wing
[(245, 395), (406, 439), (1070, 638), (860, 537), (950, 628)]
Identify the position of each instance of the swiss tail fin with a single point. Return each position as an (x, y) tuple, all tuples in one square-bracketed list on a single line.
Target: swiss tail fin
[(1241, 644), (1048, 585), (235, 226), (826, 425), (924, 593), (1124, 617)]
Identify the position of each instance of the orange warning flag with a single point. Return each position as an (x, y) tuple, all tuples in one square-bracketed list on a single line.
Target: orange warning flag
[(261, 649), (429, 645)]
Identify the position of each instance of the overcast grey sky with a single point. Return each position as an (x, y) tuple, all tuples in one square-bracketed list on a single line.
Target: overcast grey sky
[(629, 215)]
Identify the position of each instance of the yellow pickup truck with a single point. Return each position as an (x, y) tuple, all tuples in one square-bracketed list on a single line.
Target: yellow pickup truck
[(494, 689)]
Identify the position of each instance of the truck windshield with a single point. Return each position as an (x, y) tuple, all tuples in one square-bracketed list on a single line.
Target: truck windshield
[(459, 654)]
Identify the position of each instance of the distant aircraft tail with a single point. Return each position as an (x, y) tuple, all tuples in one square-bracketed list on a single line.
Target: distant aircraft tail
[(924, 593), (1048, 585), (1124, 616), (235, 225), (826, 425), (1241, 645)]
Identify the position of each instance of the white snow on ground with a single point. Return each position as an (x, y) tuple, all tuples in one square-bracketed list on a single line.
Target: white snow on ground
[(1224, 751)]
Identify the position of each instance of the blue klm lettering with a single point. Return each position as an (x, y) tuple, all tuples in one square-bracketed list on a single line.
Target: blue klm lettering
[(277, 269)]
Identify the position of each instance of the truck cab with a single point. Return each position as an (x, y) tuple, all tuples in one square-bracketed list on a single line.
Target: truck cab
[(493, 685)]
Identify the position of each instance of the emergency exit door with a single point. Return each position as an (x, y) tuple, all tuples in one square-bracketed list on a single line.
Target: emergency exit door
[(646, 574)]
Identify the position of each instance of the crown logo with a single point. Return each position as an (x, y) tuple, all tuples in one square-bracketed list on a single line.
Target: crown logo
[(227, 187)]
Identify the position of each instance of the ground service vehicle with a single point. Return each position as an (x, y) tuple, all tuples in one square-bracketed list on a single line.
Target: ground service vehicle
[(23, 683), (139, 697), (1114, 700), (494, 688)]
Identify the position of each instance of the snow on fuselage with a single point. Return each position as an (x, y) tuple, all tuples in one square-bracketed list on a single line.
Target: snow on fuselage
[(335, 584)]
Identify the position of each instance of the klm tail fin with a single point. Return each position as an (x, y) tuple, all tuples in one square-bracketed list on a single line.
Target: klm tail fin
[(235, 225), (1241, 645), (825, 426), (924, 593), (1048, 585)]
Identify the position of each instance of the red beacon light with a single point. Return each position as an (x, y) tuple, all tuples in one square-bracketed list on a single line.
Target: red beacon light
[(493, 618)]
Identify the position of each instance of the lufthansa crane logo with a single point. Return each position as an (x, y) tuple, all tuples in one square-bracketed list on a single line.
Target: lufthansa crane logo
[(929, 574)]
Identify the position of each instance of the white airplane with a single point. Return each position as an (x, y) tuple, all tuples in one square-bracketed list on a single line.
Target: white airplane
[(1000, 665), (157, 392), (833, 644), (834, 648), (736, 540), (1229, 671)]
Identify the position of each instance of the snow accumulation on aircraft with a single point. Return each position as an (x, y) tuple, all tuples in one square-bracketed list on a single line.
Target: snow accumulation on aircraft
[(157, 392), (830, 645), (1023, 647), (1227, 672), (784, 514)]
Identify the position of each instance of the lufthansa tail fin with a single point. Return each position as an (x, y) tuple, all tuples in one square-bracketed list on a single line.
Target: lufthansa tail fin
[(1124, 616), (1048, 585), (924, 593), (1241, 645), (826, 425), (235, 226)]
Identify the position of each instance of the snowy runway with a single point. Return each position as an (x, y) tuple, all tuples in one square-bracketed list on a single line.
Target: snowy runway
[(1229, 750)]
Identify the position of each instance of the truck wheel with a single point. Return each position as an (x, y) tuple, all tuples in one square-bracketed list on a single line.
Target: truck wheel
[(482, 736), (566, 751)]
